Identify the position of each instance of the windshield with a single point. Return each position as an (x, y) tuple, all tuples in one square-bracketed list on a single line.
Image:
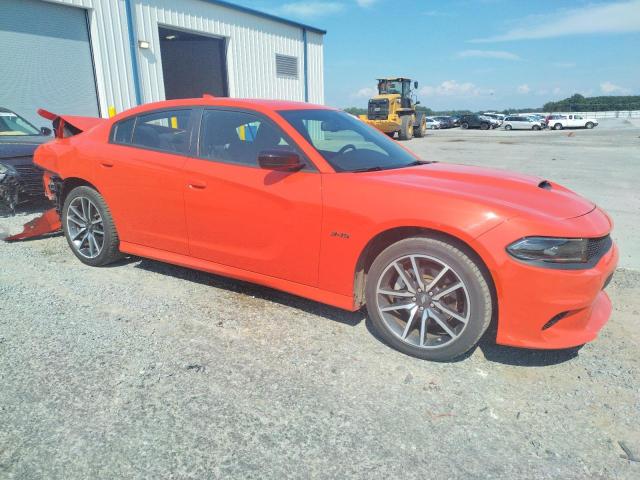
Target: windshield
[(12, 124), (348, 144), (389, 86)]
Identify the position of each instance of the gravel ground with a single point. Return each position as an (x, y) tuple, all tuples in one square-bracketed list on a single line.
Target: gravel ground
[(146, 370)]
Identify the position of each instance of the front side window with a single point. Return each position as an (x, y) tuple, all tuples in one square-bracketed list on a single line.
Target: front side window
[(238, 137), (346, 143)]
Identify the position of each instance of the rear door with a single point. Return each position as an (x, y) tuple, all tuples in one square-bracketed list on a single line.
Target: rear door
[(140, 173)]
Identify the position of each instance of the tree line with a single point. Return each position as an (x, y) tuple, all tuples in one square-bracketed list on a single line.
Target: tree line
[(575, 103)]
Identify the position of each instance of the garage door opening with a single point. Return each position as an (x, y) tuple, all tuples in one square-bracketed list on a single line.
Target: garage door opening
[(192, 64)]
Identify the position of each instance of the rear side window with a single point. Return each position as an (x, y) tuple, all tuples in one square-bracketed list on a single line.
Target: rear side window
[(166, 130), (123, 130)]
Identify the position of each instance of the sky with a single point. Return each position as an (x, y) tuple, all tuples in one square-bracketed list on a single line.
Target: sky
[(474, 54)]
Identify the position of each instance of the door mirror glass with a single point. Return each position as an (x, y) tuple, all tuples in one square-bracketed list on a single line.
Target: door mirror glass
[(280, 160), (415, 85)]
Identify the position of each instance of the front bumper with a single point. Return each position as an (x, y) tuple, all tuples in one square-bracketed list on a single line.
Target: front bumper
[(551, 308)]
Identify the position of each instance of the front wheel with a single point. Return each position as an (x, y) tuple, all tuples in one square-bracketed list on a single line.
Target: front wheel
[(484, 126), (89, 228), (589, 125), (406, 128), (464, 125), (421, 130), (429, 299), (507, 127), (557, 126), (536, 127)]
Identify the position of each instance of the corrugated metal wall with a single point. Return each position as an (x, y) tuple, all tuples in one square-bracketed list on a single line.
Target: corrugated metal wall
[(252, 43)]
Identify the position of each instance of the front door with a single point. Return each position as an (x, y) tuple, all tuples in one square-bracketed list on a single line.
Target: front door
[(243, 216)]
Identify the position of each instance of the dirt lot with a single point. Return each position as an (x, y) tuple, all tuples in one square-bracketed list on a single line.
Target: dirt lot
[(145, 370)]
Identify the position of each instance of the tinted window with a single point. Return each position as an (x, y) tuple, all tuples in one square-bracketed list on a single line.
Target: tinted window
[(238, 137), (510, 119), (122, 131), (167, 130)]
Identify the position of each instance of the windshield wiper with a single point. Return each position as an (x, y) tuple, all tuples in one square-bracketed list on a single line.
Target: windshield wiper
[(368, 169)]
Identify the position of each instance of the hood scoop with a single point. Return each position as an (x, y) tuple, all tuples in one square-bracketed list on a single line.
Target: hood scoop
[(545, 185)]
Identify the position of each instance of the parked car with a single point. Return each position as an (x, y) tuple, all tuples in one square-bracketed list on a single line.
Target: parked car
[(558, 122), (456, 120), (445, 122), (520, 122), (475, 121), (432, 124), (319, 204), (20, 179), (499, 118)]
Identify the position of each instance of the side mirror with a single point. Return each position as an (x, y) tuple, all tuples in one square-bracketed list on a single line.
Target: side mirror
[(418, 102), (46, 131), (280, 160), (415, 85)]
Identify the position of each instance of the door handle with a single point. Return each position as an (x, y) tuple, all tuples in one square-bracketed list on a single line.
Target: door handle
[(197, 185), (106, 164)]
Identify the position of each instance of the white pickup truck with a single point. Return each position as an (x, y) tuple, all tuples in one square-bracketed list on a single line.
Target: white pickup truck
[(558, 122)]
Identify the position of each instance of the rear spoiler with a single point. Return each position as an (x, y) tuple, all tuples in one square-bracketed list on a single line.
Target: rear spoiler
[(69, 125)]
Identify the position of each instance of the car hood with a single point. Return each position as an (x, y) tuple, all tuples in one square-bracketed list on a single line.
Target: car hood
[(18, 146), (512, 193)]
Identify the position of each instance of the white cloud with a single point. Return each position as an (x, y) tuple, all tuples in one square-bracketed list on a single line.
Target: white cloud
[(365, 3), (618, 17), (496, 54), (524, 89), (310, 9), (450, 88), (366, 92), (608, 87)]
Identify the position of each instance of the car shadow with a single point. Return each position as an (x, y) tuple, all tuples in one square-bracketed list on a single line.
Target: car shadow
[(264, 293)]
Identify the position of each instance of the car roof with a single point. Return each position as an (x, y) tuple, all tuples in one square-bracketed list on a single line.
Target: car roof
[(211, 101)]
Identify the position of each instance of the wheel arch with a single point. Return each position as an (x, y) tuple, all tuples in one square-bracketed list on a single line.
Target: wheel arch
[(388, 237), (69, 183)]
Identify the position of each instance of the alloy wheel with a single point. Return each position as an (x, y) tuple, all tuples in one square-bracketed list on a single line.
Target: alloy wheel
[(85, 227), (423, 301)]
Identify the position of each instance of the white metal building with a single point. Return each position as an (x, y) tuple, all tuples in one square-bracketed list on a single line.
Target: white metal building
[(84, 57)]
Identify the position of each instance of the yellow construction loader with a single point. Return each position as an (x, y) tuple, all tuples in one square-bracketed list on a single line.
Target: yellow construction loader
[(394, 109)]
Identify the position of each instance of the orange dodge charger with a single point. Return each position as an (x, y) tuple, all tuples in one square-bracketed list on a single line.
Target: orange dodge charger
[(312, 201)]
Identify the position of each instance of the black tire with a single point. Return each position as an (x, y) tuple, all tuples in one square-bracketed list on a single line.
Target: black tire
[(421, 130), (484, 126), (507, 127), (557, 126), (480, 298), (110, 247), (536, 127), (390, 134), (589, 125), (464, 125), (406, 127)]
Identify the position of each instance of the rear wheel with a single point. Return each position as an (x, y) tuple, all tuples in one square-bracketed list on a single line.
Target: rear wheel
[(589, 125), (536, 127), (557, 126), (507, 127), (427, 298), (89, 228), (421, 130), (406, 128)]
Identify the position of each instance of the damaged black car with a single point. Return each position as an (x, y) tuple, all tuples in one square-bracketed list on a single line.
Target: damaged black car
[(20, 179)]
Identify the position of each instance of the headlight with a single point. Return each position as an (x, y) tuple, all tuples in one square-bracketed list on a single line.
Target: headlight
[(550, 249)]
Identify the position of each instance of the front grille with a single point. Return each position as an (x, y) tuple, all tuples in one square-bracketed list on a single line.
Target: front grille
[(597, 247), (30, 178), (378, 109)]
